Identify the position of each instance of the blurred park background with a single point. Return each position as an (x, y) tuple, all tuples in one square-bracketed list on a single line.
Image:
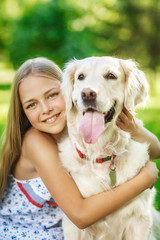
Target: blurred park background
[(63, 29)]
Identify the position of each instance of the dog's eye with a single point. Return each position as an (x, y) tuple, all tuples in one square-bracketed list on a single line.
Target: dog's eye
[(81, 76), (110, 76)]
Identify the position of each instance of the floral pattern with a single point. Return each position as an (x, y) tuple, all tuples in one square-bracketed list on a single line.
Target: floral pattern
[(28, 211)]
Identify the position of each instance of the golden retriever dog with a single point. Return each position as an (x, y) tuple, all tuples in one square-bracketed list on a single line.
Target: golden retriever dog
[(98, 154)]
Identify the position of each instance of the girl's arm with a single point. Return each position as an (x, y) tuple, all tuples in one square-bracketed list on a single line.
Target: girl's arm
[(43, 152), (129, 123)]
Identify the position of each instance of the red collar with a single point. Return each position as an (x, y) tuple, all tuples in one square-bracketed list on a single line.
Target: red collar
[(98, 160)]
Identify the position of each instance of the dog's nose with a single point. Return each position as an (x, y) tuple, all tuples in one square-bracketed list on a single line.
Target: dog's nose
[(88, 94)]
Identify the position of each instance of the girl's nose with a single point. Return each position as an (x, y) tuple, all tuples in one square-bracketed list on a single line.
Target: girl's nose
[(46, 108)]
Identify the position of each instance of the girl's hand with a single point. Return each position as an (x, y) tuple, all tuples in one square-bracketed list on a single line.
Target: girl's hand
[(150, 173), (127, 122)]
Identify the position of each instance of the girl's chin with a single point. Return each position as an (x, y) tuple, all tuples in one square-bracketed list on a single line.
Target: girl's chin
[(57, 130)]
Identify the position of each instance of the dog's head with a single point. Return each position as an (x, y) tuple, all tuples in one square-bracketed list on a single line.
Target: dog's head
[(98, 88)]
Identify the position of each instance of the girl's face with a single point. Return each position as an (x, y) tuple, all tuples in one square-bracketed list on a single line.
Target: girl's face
[(43, 103)]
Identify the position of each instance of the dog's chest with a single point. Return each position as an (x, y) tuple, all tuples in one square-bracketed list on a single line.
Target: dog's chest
[(92, 177)]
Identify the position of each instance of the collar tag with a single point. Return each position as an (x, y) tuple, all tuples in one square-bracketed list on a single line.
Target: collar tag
[(112, 175)]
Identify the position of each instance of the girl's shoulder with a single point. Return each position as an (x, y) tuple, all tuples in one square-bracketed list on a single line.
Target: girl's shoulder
[(36, 143), (33, 133), (31, 152), (34, 137), (38, 150)]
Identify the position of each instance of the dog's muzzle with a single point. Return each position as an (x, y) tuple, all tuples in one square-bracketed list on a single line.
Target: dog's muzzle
[(89, 97)]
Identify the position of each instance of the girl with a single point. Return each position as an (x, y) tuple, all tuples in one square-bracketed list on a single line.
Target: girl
[(129, 123), (32, 179)]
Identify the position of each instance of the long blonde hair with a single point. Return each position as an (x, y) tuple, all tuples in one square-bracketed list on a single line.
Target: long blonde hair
[(17, 122)]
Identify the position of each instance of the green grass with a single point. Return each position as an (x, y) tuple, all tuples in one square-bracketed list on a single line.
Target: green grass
[(151, 120), (4, 102), (150, 117)]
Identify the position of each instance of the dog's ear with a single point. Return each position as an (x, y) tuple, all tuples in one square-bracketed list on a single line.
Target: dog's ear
[(136, 85), (68, 81)]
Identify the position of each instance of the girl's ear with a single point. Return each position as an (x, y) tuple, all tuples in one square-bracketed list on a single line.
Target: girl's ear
[(136, 85), (68, 82)]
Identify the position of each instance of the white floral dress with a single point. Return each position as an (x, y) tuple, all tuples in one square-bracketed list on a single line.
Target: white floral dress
[(28, 211)]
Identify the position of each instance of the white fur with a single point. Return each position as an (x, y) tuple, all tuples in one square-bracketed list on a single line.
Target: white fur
[(134, 220)]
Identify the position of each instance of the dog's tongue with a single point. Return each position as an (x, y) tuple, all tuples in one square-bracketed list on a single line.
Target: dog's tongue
[(92, 126)]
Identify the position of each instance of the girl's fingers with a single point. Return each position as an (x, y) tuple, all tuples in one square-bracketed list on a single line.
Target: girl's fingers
[(127, 113), (123, 117), (119, 123)]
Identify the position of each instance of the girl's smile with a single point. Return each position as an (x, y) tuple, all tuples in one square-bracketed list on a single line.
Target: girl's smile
[(52, 119), (43, 103)]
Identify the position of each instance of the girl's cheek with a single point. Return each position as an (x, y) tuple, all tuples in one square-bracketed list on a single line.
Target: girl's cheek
[(31, 116), (60, 103), (63, 103), (64, 106)]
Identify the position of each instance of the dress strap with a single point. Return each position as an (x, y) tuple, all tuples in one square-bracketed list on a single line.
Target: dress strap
[(32, 196)]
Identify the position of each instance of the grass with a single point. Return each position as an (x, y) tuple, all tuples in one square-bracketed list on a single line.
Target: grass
[(150, 117), (151, 120), (4, 102)]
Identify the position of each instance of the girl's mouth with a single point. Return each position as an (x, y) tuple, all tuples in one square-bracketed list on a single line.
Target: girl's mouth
[(52, 118)]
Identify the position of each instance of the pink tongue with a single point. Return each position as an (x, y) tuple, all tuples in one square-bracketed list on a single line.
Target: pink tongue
[(92, 126)]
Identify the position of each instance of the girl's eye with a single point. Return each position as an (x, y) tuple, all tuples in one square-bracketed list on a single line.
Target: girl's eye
[(52, 95), (110, 76), (32, 105)]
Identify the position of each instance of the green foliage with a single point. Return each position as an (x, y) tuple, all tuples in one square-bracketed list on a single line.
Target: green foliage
[(151, 120), (131, 31), (43, 31), (5, 86), (61, 30), (39, 32), (4, 102)]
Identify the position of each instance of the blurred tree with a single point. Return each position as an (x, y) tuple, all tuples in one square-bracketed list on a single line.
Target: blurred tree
[(43, 31), (2, 30), (38, 32), (1, 26), (9, 10), (63, 29), (153, 39), (129, 29)]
